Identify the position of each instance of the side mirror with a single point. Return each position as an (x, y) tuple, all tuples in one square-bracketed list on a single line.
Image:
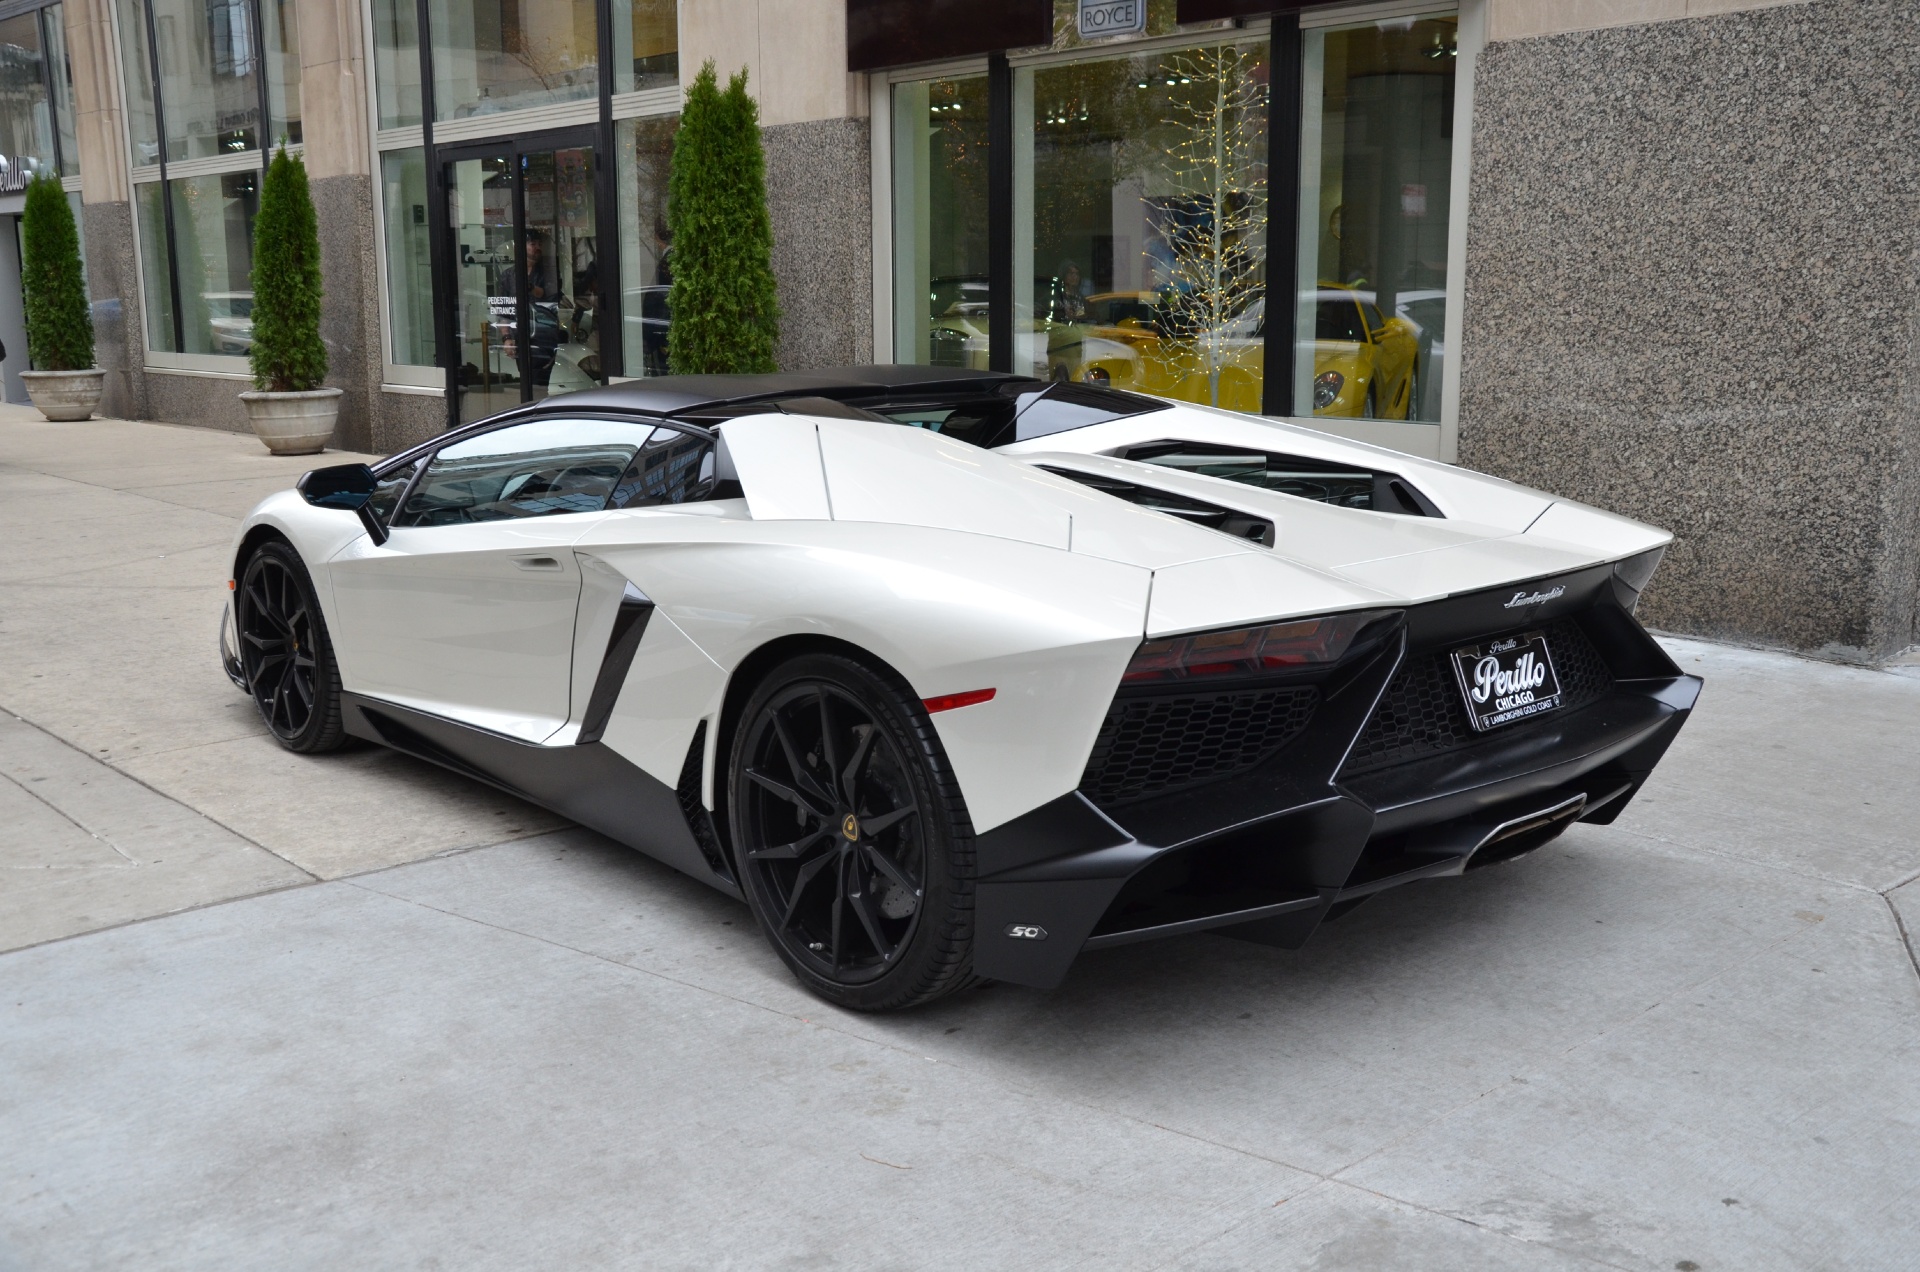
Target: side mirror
[(344, 486), (347, 487)]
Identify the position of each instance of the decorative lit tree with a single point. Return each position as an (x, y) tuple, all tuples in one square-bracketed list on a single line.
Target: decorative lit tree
[(1216, 167), (725, 314)]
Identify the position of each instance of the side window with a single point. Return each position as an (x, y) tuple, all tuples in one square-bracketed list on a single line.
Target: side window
[(537, 469), (673, 467), (386, 494)]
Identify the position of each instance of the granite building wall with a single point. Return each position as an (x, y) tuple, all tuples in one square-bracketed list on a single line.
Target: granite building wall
[(820, 199), (1693, 297)]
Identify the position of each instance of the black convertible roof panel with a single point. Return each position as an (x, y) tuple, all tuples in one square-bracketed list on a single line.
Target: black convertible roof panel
[(670, 394)]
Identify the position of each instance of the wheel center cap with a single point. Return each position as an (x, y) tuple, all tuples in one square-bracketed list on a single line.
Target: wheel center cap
[(850, 827)]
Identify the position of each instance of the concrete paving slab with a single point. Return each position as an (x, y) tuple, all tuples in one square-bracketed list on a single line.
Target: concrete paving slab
[(1799, 764), (339, 814), (84, 847), (1333, 1227), (1426, 998), (110, 596), (334, 1078), (1768, 1117)]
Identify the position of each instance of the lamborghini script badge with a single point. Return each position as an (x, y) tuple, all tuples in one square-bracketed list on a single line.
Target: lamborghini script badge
[(850, 828), (1522, 599)]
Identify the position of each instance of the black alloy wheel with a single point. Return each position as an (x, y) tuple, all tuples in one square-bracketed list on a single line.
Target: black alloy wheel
[(285, 653), (851, 835)]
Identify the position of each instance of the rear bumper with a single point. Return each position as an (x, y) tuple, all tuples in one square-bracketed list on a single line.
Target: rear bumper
[(1272, 853)]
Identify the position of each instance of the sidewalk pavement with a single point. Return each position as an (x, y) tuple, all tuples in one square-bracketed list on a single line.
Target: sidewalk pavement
[(1688, 1040)]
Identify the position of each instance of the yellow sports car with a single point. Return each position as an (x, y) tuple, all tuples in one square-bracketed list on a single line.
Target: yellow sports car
[(1365, 365)]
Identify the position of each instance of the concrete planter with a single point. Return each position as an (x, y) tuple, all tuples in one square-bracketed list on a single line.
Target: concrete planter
[(65, 395), (293, 423)]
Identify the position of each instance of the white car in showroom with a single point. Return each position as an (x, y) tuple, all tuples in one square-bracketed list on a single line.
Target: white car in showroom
[(951, 674)]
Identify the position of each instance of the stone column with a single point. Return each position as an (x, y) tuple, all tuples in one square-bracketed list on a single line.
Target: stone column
[(1692, 297), (113, 276), (334, 128)]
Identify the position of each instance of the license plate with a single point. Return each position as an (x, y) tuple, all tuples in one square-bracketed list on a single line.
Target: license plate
[(1507, 680)]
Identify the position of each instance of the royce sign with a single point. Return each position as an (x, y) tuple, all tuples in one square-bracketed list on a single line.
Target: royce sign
[(1112, 17)]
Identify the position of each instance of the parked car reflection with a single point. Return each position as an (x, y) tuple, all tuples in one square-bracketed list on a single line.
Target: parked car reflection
[(1365, 365)]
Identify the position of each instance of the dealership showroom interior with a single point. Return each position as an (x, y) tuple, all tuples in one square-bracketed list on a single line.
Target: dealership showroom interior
[(932, 634)]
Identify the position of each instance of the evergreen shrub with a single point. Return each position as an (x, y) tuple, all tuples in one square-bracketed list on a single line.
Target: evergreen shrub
[(287, 353), (725, 315), (59, 323)]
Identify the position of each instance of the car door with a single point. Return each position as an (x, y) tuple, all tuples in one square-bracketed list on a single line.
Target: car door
[(467, 610)]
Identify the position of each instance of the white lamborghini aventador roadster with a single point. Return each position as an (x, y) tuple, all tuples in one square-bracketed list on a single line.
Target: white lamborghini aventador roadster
[(953, 674)]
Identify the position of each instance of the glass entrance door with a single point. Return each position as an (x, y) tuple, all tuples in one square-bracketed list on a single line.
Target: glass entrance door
[(526, 279)]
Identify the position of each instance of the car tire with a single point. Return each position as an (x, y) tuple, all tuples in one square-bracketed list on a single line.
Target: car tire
[(1413, 394), (850, 835), (285, 653), (1370, 409)]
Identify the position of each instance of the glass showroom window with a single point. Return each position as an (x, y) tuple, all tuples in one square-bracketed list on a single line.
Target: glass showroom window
[(213, 249), (198, 146), (648, 32), (498, 55), (403, 184), (1376, 169), (1142, 203), (396, 62), (940, 222), (26, 114), (646, 268)]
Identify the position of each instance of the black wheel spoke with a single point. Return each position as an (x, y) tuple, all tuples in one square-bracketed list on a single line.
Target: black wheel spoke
[(786, 793), (886, 821), (807, 874), (889, 869), (851, 776), (795, 766), (788, 852), (871, 922), (839, 904), (827, 750)]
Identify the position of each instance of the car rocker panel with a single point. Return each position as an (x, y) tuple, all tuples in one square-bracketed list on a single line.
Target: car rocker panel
[(1172, 692)]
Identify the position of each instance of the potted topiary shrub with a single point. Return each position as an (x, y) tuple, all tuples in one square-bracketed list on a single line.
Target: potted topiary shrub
[(291, 410), (726, 316), (66, 384)]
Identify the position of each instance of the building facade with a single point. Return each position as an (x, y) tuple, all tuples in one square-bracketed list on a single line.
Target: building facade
[(1659, 255)]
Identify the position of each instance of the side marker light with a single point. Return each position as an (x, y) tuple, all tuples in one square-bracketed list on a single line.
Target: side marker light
[(948, 701)]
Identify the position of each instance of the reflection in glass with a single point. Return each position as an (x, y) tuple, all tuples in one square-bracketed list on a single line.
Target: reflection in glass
[(62, 67), (940, 222), (559, 260), (480, 199), (208, 76), (156, 265), (213, 239), (1376, 166), (1140, 215), (283, 69), (649, 33), (403, 175), (396, 62), (26, 120), (142, 133), (646, 271), (495, 55)]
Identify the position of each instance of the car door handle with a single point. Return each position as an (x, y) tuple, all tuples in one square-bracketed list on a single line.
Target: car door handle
[(537, 562)]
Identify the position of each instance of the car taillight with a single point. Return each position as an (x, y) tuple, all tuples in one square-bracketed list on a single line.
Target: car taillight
[(1248, 650)]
